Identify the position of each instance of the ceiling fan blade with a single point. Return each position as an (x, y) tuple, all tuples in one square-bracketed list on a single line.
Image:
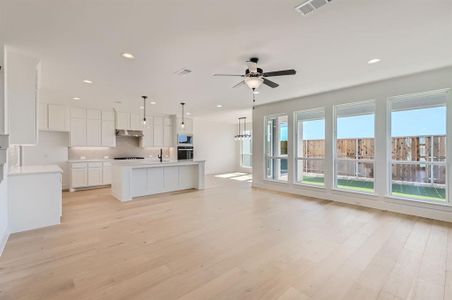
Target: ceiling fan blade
[(280, 73), (270, 83), (233, 75), (239, 84)]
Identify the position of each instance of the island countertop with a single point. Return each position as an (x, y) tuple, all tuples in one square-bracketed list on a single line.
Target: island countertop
[(144, 163)]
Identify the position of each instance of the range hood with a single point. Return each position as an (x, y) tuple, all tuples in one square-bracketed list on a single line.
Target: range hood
[(133, 133)]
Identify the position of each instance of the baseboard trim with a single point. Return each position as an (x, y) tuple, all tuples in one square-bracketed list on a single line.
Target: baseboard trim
[(430, 211)]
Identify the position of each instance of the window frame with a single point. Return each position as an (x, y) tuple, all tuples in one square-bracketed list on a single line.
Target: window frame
[(266, 157), (356, 160), (300, 158), (411, 98)]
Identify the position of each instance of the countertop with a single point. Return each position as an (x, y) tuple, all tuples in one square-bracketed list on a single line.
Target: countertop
[(152, 163), (34, 169), (89, 160)]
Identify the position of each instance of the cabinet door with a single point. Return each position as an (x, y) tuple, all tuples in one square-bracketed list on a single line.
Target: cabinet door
[(188, 125), (93, 132), (78, 132), (58, 117), (168, 136), (42, 117), (79, 177), (108, 134), (171, 177), (148, 136), (94, 176), (122, 120), (187, 177), (158, 135), (139, 182), (136, 122), (155, 181), (106, 174)]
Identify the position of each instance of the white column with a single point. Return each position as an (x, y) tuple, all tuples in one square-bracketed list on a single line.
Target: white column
[(330, 146)]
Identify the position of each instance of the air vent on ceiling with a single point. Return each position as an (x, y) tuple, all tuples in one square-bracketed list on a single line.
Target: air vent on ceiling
[(309, 6), (183, 72)]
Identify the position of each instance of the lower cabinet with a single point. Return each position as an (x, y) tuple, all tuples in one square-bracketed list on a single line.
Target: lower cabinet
[(90, 174)]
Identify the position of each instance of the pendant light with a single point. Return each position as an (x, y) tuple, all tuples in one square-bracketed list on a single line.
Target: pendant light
[(241, 136), (144, 109), (182, 124)]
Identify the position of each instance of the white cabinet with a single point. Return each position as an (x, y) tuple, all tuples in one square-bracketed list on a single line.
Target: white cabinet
[(171, 178), (95, 173), (79, 175), (21, 91), (122, 120), (90, 174), (93, 127), (187, 177), (58, 119), (140, 180), (147, 140), (158, 132), (156, 182), (168, 136), (78, 132), (108, 138), (106, 173), (43, 123), (53, 117), (136, 122)]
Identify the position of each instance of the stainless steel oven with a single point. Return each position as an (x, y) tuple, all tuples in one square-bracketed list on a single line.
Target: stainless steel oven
[(184, 152)]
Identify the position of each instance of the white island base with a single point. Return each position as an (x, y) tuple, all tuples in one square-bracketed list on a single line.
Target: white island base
[(131, 179)]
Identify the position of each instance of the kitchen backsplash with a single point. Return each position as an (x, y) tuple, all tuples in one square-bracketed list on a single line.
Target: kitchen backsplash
[(125, 146)]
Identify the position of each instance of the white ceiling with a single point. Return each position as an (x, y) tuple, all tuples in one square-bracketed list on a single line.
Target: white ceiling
[(330, 48)]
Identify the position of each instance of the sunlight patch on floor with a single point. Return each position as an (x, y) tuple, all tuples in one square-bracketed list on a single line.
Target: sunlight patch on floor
[(238, 176), (229, 175)]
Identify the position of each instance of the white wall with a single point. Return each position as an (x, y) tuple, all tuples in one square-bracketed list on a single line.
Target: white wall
[(52, 148), (378, 91), (3, 192), (214, 143)]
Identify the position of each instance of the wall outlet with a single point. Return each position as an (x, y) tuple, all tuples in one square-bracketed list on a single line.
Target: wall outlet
[(106, 157)]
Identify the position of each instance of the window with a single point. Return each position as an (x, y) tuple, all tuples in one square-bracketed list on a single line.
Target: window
[(355, 135), (310, 153), (276, 140), (418, 143), (245, 152)]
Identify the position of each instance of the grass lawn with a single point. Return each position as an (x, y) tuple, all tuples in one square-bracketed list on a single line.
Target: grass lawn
[(399, 190)]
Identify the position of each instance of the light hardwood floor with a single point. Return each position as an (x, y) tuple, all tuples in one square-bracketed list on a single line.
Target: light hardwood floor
[(227, 242)]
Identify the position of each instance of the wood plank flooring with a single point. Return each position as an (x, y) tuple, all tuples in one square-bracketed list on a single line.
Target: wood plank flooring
[(228, 241)]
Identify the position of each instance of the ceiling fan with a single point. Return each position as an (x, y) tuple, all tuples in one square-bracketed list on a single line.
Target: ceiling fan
[(255, 76)]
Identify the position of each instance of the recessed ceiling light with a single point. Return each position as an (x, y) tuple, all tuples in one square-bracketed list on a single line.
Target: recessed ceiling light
[(219, 106), (374, 61), (127, 55), (188, 113), (141, 107), (153, 102), (88, 81), (76, 98), (118, 102)]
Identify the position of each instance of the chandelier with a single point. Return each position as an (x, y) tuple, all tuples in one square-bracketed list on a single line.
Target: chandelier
[(242, 135)]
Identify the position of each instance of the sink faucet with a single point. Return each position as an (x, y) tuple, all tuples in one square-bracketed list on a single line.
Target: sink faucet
[(160, 156)]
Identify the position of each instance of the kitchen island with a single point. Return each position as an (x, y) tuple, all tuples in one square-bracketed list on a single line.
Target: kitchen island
[(133, 178)]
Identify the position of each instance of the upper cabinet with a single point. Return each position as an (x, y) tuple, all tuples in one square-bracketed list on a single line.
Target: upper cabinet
[(129, 121), (108, 138), (53, 117), (92, 127), (158, 132), (21, 91)]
